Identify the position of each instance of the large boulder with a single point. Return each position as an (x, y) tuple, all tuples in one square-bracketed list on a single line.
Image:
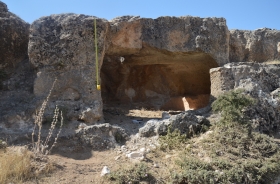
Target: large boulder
[(258, 46), (62, 47), (14, 34), (261, 81), (102, 136)]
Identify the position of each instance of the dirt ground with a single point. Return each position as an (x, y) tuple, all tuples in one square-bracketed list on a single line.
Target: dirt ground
[(85, 165)]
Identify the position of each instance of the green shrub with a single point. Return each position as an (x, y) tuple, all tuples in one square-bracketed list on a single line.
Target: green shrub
[(232, 106), (136, 174), (173, 140), (253, 166), (234, 153)]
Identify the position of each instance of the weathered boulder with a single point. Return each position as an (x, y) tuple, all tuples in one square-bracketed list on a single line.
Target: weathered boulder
[(14, 34), (187, 123), (102, 136), (258, 80), (62, 47), (259, 45)]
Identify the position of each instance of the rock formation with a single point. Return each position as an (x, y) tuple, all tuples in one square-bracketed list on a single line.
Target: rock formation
[(14, 34), (257, 46), (158, 63), (261, 81), (160, 57), (62, 47), (187, 123)]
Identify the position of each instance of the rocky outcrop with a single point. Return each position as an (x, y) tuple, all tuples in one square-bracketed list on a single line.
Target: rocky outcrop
[(258, 46), (62, 47), (260, 81), (163, 63), (102, 136), (14, 34), (187, 123)]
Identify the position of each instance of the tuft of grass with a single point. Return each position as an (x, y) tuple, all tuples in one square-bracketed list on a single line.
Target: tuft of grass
[(19, 165), (15, 166), (133, 175)]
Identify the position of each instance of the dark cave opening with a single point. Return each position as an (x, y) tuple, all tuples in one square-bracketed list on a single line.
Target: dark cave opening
[(156, 79)]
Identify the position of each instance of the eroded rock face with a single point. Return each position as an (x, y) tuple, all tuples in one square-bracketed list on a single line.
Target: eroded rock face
[(259, 45), (260, 81), (62, 47), (13, 38)]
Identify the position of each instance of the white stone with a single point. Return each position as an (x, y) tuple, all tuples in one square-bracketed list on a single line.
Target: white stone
[(142, 150), (105, 171), (136, 156)]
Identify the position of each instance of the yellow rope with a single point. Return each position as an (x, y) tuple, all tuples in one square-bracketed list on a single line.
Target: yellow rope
[(96, 57)]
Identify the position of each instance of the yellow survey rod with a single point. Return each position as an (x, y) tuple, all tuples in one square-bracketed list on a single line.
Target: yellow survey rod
[(98, 87)]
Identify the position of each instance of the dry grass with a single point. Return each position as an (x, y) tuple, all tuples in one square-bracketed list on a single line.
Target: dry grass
[(15, 166), (272, 62), (18, 164)]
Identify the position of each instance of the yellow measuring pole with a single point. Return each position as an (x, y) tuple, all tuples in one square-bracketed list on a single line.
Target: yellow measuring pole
[(98, 87)]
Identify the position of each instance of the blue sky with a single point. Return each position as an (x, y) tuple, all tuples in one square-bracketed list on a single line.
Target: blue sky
[(240, 14)]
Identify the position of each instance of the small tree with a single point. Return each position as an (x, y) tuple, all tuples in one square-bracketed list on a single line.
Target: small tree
[(232, 106)]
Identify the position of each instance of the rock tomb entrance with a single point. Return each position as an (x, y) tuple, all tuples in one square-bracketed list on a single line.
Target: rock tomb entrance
[(157, 79)]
